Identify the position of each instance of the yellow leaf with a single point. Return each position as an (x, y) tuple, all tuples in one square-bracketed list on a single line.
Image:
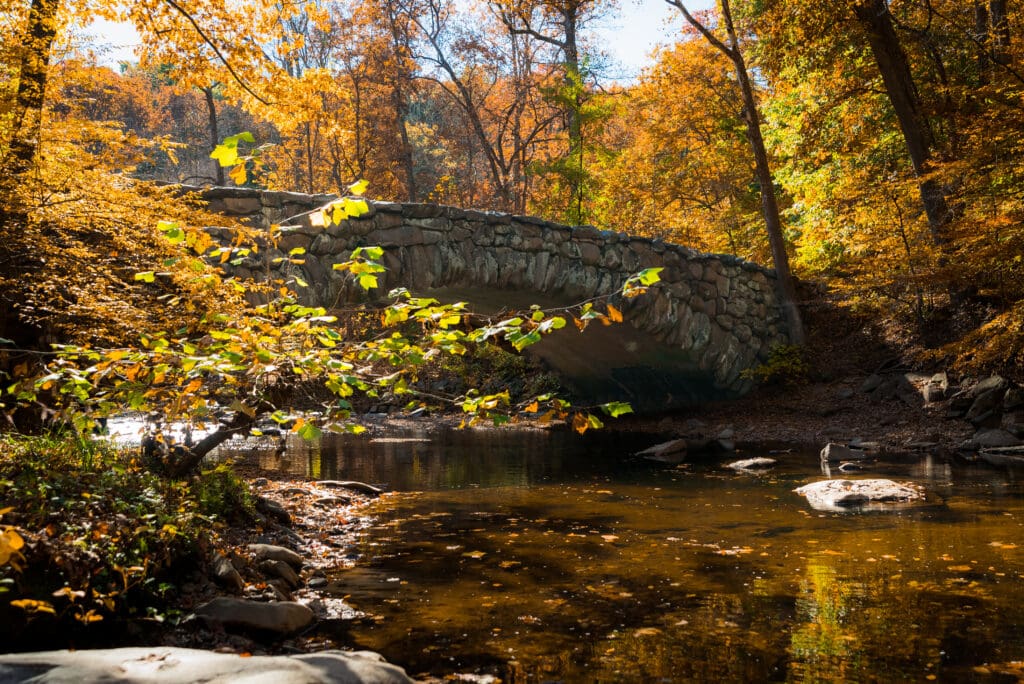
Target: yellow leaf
[(238, 174), (532, 408), (89, 617), (614, 314), (33, 606), (10, 543)]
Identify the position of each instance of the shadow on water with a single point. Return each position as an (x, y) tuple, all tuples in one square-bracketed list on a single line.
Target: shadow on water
[(543, 557)]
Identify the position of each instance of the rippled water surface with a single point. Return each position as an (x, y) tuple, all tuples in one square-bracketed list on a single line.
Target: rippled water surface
[(538, 557)]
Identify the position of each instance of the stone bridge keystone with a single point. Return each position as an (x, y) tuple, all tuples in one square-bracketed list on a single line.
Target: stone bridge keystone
[(687, 340)]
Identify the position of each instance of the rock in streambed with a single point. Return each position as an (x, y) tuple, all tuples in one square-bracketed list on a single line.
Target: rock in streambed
[(845, 495), (162, 665)]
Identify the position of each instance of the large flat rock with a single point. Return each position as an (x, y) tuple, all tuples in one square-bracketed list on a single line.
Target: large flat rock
[(845, 495), (160, 665)]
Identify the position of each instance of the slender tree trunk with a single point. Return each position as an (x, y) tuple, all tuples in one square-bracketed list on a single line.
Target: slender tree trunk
[(982, 38), (310, 169), (786, 288), (574, 82), (399, 42), (769, 204), (211, 110), (876, 21), (23, 144), (1000, 32)]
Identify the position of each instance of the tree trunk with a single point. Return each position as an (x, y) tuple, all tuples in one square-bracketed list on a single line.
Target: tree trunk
[(36, 45), (211, 110), (399, 43), (1000, 32), (981, 36), (786, 288), (179, 460), (876, 21), (769, 202), (574, 82)]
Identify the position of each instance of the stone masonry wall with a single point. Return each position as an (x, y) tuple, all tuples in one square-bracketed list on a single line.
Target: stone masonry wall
[(717, 313)]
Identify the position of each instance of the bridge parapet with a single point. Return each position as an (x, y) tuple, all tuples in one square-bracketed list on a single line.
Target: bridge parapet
[(688, 340)]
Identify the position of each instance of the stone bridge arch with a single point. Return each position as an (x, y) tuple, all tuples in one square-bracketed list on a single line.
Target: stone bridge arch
[(686, 341)]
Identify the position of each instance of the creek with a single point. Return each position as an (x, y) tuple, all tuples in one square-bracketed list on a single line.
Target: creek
[(538, 556)]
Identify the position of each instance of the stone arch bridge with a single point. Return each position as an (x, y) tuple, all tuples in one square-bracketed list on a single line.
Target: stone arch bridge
[(686, 341)]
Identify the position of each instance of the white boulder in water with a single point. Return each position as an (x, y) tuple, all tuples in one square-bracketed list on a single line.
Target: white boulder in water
[(842, 495)]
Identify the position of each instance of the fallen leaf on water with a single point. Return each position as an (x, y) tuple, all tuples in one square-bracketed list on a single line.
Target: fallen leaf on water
[(647, 631), (959, 568), (609, 537), (476, 555), (1001, 545)]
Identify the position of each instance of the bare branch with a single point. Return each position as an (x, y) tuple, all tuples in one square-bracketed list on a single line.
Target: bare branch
[(209, 41)]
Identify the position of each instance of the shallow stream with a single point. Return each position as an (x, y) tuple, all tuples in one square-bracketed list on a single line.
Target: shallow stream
[(543, 557)]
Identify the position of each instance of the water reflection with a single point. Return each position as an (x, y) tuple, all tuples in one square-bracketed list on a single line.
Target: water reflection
[(416, 460), (539, 557)]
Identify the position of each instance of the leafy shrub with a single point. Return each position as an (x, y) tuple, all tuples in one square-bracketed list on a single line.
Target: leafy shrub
[(223, 495), (786, 365), (96, 534)]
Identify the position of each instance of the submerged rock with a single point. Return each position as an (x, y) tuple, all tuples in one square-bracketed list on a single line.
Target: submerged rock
[(276, 553), (275, 569), (163, 665), (994, 438), (360, 487), (1003, 456), (673, 451), (839, 495), (272, 509), (278, 617), (752, 464), (834, 453)]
